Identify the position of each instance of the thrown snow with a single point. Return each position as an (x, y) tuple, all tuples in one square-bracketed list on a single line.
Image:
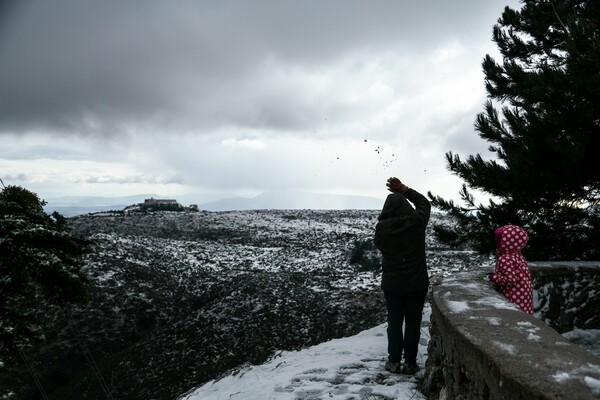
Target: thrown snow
[(337, 369)]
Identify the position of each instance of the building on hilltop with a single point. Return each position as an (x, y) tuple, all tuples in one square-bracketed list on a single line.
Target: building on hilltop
[(159, 202), (153, 204)]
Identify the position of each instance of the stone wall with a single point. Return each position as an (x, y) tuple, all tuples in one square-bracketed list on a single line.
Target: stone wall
[(567, 294), (484, 347)]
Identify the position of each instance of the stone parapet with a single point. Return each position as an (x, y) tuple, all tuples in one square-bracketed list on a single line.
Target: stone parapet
[(484, 347)]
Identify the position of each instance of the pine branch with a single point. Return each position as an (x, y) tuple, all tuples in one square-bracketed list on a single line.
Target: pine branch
[(543, 124)]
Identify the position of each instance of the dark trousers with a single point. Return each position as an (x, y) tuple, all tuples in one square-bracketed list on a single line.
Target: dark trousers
[(404, 308)]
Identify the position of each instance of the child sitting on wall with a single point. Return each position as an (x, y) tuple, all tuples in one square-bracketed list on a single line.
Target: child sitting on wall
[(511, 274)]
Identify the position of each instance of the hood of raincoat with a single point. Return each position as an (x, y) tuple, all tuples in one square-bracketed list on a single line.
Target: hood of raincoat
[(510, 238)]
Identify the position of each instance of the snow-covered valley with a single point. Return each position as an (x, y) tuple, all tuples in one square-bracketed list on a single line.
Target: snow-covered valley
[(179, 299)]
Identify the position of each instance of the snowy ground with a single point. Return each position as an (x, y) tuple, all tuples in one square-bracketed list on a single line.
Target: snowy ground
[(343, 369)]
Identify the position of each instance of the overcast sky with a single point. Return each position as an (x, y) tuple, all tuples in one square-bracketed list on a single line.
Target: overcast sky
[(118, 97)]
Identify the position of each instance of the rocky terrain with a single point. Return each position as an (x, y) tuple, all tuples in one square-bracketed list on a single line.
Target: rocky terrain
[(181, 298)]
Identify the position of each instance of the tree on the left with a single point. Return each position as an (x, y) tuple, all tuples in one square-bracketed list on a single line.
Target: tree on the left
[(40, 264)]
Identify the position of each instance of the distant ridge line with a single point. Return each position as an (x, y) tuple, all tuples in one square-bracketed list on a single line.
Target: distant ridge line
[(271, 200)]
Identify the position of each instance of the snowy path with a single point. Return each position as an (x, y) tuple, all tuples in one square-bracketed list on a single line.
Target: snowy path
[(341, 369)]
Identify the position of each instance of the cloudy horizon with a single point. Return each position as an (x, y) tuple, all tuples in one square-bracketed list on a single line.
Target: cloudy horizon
[(113, 98)]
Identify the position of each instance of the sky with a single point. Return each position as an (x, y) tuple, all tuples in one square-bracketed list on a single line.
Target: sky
[(117, 98)]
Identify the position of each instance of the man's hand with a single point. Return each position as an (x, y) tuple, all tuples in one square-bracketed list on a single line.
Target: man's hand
[(395, 186)]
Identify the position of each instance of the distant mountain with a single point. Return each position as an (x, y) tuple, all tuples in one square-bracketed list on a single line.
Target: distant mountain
[(98, 201), (272, 200), (70, 206), (294, 200), (76, 205)]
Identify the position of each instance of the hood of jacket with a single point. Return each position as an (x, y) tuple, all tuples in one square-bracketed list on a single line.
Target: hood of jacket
[(396, 206), (510, 238)]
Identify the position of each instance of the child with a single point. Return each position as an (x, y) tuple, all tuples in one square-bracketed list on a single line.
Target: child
[(512, 274)]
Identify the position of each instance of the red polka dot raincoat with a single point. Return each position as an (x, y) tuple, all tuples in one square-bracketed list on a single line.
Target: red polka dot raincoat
[(512, 274)]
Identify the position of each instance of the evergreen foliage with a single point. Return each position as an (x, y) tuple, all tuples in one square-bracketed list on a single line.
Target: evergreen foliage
[(40, 262), (163, 207), (365, 256), (542, 121)]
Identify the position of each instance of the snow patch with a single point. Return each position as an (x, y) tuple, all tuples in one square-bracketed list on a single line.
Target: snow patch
[(457, 306), (524, 323), (496, 303), (593, 384), (561, 377), (534, 337), (509, 348)]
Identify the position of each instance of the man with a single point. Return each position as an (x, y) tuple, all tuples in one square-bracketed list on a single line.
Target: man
[(400, 236)]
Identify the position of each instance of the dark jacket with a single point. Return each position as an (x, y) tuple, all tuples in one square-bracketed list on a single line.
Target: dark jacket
[(400, 236)]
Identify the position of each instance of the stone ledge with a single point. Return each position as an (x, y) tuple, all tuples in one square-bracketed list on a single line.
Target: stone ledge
[(484, 347)]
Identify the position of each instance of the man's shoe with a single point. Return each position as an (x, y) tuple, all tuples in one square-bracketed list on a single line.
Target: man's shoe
[(393, 367), (410, 369)]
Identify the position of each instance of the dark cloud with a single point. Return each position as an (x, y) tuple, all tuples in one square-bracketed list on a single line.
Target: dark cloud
[(134, 179), (15, 178), (112, 67)]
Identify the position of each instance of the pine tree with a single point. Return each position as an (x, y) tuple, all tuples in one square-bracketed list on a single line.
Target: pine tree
[(40, 263), (542, 120)]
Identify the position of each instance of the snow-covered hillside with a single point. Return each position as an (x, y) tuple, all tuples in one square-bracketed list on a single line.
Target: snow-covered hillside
[(340, 369), (180, 298)]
